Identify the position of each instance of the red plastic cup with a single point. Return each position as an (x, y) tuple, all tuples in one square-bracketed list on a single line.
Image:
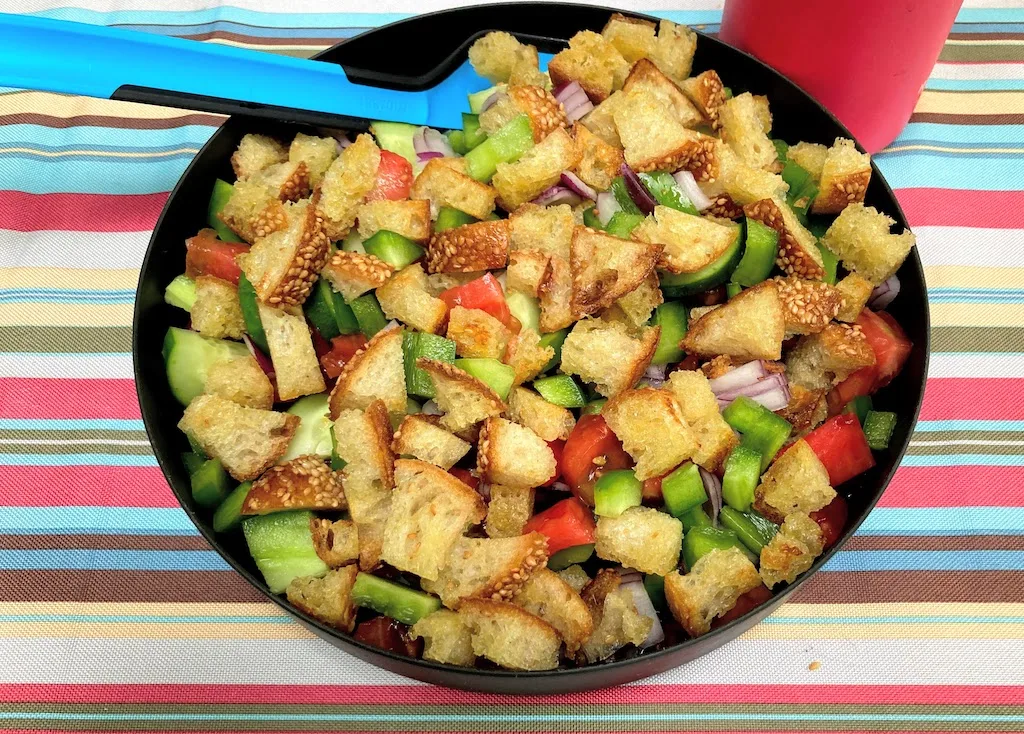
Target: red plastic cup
[(865, 60)]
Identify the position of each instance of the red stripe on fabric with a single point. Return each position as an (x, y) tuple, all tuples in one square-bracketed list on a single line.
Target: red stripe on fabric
[(973, 398), (26, 212), (956, 208), (46, 397), (945, 486), (85, 486)]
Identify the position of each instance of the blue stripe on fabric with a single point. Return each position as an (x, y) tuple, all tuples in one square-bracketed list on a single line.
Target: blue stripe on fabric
[(976, 299), (934, 132), (301, 36), (990, 15), (959, 27), (959, 560), (96, 520), (106, 138), (109, 176), (112, 560), (55, 296), (77, 460), (968, 425), (70, 424), (986, 85), (949, 521), (962, 460), (927, 169)]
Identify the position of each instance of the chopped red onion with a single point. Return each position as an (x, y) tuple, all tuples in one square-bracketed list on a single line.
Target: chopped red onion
[(557, 91), (573, 99), (491, 101), (637, 190), (558, 195), (629, 576), (713, 488), (607, 205), (741, 376), (884, 294), (431, 408), (261, 359), (579, 112), (689, 186), (642, 602), (485, 490), (560, 487), (572, 181), (566, 89), (655, 375), (423, 157), (428, 142), (772, 392)]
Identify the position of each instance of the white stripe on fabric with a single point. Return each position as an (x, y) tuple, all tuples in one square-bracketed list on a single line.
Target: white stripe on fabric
[(993, 248), (965, 72), (976, 364), (66, 366), (56, 248)]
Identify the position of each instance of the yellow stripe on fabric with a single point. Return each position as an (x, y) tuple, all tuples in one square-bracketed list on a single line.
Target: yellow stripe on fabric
[(960, 276), (888, 630), (989, 103), (99, 153), (171, 609), (65, 314), (69, 278), (155, 631), (905, 609), (977, 314)]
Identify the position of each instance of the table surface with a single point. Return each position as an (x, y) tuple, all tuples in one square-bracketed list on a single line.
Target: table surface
[(115, 614)]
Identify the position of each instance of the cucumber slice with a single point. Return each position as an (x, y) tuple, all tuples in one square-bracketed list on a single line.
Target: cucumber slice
[(457, 139), (281, 544), (353, 243), (742, 473), (568, 556), (394, 249), (594, 407), (560, 390), (313, 435), (683, 490), (762, 430), (752, 528), (228, 515), (762, 249), (554, 339), (192, 461), (672, 318), (188, 356), (369, 314), (396, 137), (449, 218), (666, 191), (209, 483), (416, 344), (181, 292), (251, 314), (700, 541), (319, 309), (472, 133), (617, 491), (622, 224), (506, 145), (496, 375), (710, 276), (525, 308), (222, 191), (477, 99), (399, 602)]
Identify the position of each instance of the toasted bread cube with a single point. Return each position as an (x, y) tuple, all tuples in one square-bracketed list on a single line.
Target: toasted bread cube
[(363, 440), (599, 161), (446, 638), (647, 78), (821, 360), (537, 170), (545, 113), (591, 61), (635, 308), (404, 297), (798, 248), (742, 184), (488, 568), (854, 290), (707, 93), (304, 483), (216, 311), (411, 219), (601, 120), (526, 355), (608, 355), (526, 71), (283, 266), (438, 283), (546, 229), (632, 37), (246, 440), (652, 430), (256, 152), (797, 481), (806, 409), (749, 326), (792, 551), (511, 454), (296, 366), (690, 242), (349, 179), (606, 268), (510, 636), (527, 270), (673, 53), (464, 399), (430, 510), (477, 334), (616, 621), (550, 422), (421, 438), (844, 180), (443, 185), (508, 510), (556, 297), (653, 139), (547, 596), (241, 381), (375, 371), (317, 153), (763, 113), (496, 54), (861, 239), (254, 209), (337, 543), (699, 407), (575, 576), (809, 156), (740, 118), (710, 589), (809, 305), (371, 540), (469, 248), (642, 538), (354, 273), (328, 598)]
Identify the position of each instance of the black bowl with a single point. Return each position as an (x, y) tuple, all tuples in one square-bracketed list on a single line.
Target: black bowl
[(428, 41)]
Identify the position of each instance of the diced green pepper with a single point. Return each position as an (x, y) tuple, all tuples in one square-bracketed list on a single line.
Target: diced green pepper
[(666, 191), (782, 149), (727, 91), (192, 461), (343, 316), (281, 544), (762, 248), (590, 218), (561, 390), (450, 218), (251, 314), (859, 406), (525, 308), (194, 445), (671, 316), (496, 375), (181, 292), (594, 407), (700, 541), (683, 490), (732, 290), (695, 518), (655, 587), (337, 463), (554, 339), (762, 430), (228, 514), (830, 263), (394, 249), (209, 483), (752, 528), (802, 188), (569, 556), (369, 314), (399, 602), (622, 224), (616, 491), (471, 130), (416, 344), (222, 191), (506, 145), (742, 473), (878, 428), (622, 197), (319, 308), (457, 139)]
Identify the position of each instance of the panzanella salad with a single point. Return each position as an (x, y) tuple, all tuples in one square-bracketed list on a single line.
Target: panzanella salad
[(581, 379)]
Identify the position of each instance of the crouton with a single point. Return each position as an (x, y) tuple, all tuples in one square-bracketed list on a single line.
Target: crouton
[(405, 298), (464, 399), (296, 367), (511, 454), (242, 381), (742, 184), (545, 113), (763, 114), (446, 638), (337, 543), (363, 440), (349, 179), (420, 437), (652, 430), (742, 130), (256, 152), (798, 249), (710, 589), (647, 78), (592, 62), (537, 170), (477, 334), (673, 52), (442, 185), (255, 208), (751, 325), (806, 408), (430, 510), (797, 481), (527, 270), (283, 266), (411, 219), (844, 180), (599, 162), (496, 54), (526, 356), (575, 576), (354, 273), (510, 636), (526, 71), (707, 93), (556, 297), (654, 140), (642, 538), (328, 598), (375, 371), (246, 440), (371, 540), (808, 305), (809, 156), (508, 510), (606, 268), (316, 153), (854, 290), (632, 37), (438, 283), (550, 422), (547, 229), (616, 621), (821, 360), (608, 355), (547, 596), (714, 437), (304, 483), (690, 242), (469, 248), (634, 309), (861, 239), (601, 120), (216, 311), (488, 568), (791, 551)]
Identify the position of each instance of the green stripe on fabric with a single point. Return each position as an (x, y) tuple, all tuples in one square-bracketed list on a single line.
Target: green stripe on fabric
[(981, 53), (70, 339), (1000, 339)]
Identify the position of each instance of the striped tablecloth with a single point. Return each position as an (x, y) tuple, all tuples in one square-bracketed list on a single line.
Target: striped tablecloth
[(115, 615)]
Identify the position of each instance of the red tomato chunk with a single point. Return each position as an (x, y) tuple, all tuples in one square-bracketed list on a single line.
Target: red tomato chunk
[(840, 445), (566, 523)]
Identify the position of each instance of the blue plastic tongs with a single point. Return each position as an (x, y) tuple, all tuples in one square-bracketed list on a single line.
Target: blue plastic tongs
[(114, 63)]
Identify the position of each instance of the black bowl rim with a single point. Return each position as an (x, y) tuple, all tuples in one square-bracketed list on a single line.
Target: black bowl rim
[(593, 670)]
